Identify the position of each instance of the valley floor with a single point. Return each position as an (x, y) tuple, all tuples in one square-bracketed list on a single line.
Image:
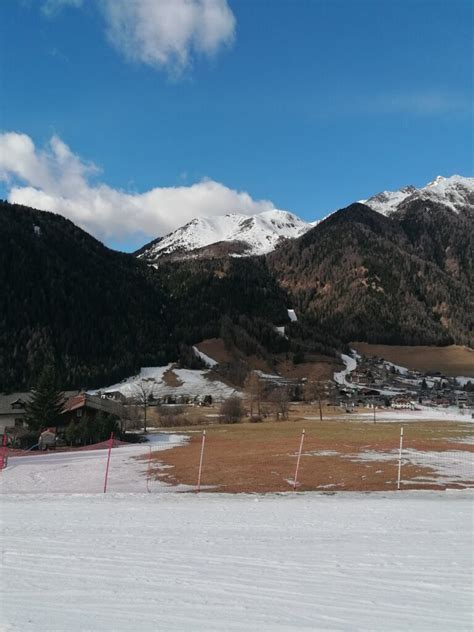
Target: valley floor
[(453, 360)]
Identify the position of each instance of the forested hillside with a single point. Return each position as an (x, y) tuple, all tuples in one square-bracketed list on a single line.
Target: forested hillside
[(65, 297), (405, 279), (358, 275), (100, 314)]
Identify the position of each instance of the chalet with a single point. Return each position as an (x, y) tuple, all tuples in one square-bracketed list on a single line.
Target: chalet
[(13, 421), (403, 403), (12, 411), (77, 406)]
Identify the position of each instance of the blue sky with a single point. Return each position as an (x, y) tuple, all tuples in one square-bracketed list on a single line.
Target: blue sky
[(306, 105)]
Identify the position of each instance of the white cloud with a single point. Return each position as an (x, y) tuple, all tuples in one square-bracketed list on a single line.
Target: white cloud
[(54, 179), (167, 33)]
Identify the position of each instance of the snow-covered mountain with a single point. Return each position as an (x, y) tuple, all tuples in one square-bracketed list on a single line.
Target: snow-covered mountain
[(456, 193), (255, 234), (236, 234)]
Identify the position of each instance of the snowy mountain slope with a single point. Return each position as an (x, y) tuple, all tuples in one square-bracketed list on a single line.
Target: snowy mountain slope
[(258, 234), (455, 192)]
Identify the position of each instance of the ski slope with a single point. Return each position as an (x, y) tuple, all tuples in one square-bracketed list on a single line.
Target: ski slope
[(166, 562), (83, 471)]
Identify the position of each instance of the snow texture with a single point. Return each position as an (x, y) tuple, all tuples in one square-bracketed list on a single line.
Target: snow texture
[(261, 233), (351, 365), (84, 471), (422, 413), (448, 466), (208, 361), (190, 383), (165, 562), (456, 193)]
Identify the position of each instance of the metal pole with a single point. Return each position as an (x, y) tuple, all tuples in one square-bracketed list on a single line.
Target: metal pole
[(200, 461), (295, 482), (400, 458), (111, 440)]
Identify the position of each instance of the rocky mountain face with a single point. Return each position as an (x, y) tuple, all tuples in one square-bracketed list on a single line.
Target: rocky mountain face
[(227, 234)]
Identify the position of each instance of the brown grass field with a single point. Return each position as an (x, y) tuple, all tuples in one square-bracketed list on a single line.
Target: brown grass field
[(451, 361), (262, 457)]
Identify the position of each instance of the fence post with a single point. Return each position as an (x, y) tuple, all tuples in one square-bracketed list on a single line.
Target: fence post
[(148, 471), (400, 458), (200, 461), (4, 459), (295, 482), (111, 441)]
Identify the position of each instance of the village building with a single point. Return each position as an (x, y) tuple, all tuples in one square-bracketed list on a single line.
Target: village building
[(83, 403), (12, 411)]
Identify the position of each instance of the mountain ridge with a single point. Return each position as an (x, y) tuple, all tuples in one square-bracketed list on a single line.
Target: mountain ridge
[(249, 235), (257, 234)]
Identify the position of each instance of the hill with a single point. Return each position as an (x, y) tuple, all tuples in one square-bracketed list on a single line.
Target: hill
[(66, 297), (100, 315), (404, 279)]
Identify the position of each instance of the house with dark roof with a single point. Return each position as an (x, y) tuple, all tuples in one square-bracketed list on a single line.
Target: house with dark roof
[(82, 403), (12, 411)]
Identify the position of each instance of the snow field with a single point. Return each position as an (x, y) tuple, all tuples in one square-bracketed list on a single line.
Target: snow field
[(347, 561), (84, 471), (192, 383)]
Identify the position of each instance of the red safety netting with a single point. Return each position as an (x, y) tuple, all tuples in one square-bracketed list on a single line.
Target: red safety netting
[(103, 445)]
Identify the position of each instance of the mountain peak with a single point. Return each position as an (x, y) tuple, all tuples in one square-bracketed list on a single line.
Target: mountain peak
[(454, 192), (259, 234)]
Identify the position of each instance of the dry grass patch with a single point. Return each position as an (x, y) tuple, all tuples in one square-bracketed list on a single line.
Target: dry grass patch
[(451, 361), (171, 379), (262, 457)]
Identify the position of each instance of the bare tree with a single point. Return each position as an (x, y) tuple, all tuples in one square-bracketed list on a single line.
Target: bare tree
[(141, 396), (232, 410), (314, 391), (254, 387), (280, 397), (129, 417)]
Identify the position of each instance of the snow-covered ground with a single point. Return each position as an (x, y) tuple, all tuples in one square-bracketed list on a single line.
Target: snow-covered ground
[(188, 382), (153, 562), (448, 467), (208, 361), (84, 471), (422, 413), (351, 365)]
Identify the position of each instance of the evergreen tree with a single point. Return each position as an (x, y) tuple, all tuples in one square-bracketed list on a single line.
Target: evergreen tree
[(46, 403)]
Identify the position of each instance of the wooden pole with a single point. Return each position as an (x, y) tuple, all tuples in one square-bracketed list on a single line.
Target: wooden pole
[(400, 459), (4, 458), (200, 461), (111, 441), (295, 482), (148, 471)]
